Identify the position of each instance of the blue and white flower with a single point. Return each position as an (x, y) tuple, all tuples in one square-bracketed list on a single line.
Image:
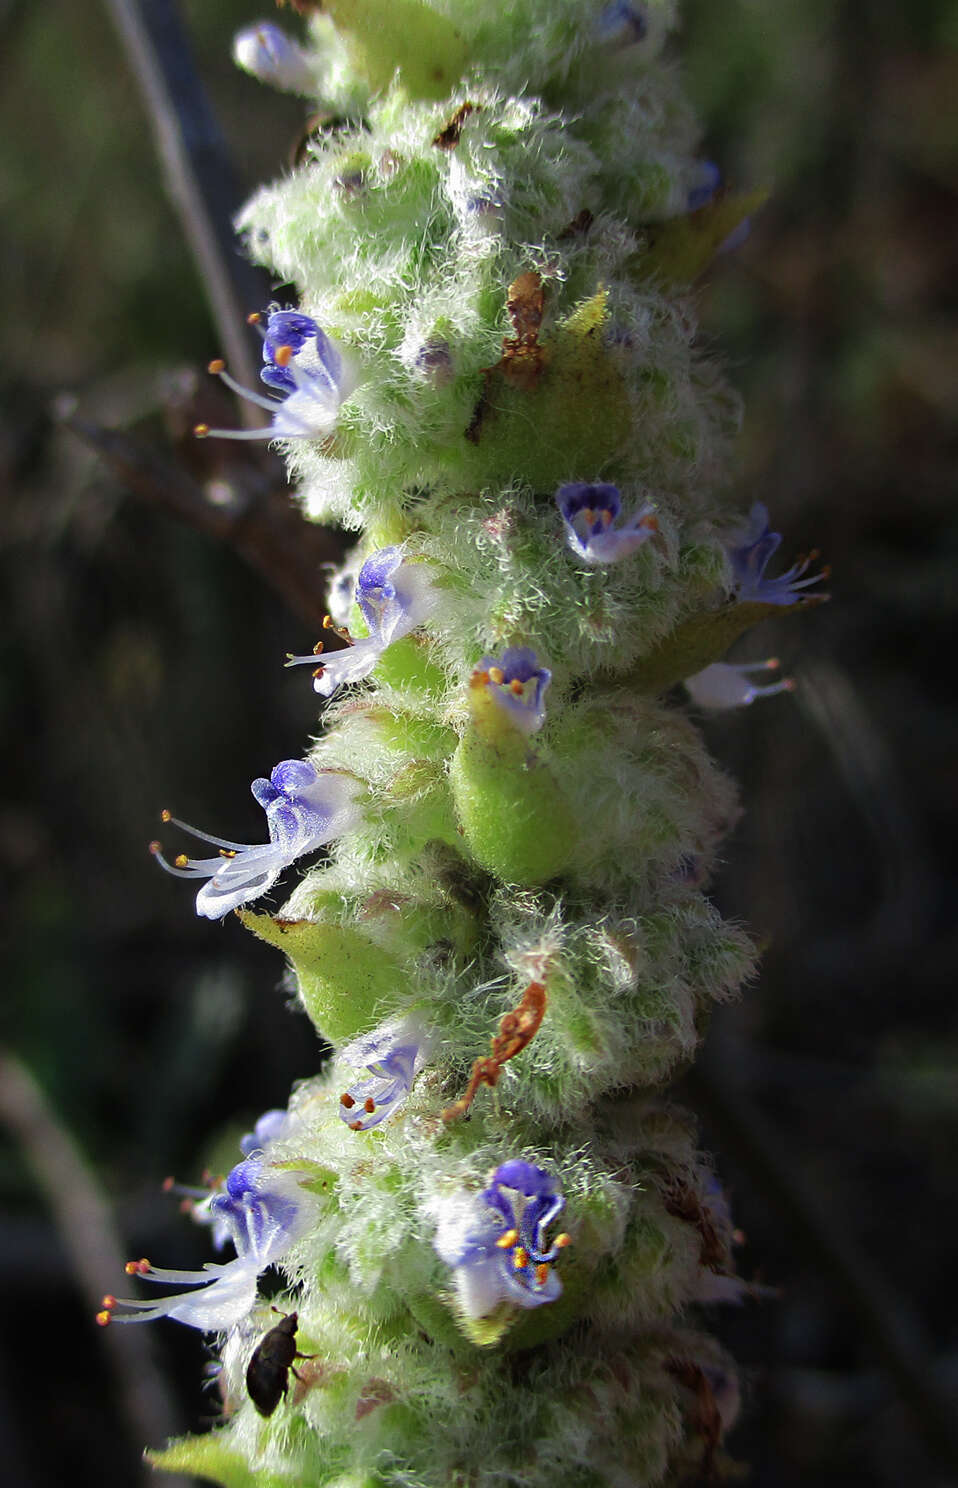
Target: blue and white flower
[(304, 808), (517, 684), (393, 1055), (395, 596), (749, 555), (621, 24), (306, 367), (589, 512), (496, 1241), (726, 684), (268, 54), (263, 1212)]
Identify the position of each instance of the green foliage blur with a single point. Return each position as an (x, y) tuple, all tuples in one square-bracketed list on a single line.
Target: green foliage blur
[(142, 669)]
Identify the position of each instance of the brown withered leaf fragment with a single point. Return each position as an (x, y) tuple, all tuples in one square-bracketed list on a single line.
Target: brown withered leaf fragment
[(448, 136), (705, 1416), (580, 223), (682, 1201), (523, 359), (517, 1029)]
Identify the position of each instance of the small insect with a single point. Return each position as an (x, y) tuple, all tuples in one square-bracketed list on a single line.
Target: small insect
[(267, 1374)]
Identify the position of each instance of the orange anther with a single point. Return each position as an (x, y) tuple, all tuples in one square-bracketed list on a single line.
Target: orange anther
[(542, 1274), (216, 366), (520, 1258), (103, 1318), (355, 1126), (497, 675), (318, 673), (253, 318), (507, 1239), (317, 649), (109, 1302), (181, 860), (166, 816), (516, 686), (167, 1184), (283, 355), (369, 1105), (155, 847), (561, 1241), (651, 522), (201, 430), (346, 1100)]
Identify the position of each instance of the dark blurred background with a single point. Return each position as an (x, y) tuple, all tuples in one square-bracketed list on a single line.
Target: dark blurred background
[(142, 669)]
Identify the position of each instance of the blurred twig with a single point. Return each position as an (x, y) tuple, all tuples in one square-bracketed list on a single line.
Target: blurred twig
[(198, 169), (894, 1332), (87, 1234), (258, 520)]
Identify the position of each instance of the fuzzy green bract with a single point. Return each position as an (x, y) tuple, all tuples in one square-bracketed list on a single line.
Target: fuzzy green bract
[(500, 239)]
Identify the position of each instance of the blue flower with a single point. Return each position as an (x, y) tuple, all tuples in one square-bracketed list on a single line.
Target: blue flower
[(726, 685), (589, 512), (620, 24), (707, 179), (496, 1241), (394, 1054), (304, 808), (394, 597), (270, 1126), (267, 53), (517, 684), (262, 1212), (749, 557), (303, 364)]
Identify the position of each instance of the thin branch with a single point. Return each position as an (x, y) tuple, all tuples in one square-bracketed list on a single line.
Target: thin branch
[(87, 1234), (258, 519), (197, 168)]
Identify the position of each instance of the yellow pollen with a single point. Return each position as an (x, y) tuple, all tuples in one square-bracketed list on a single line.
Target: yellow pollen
[(542, 1274), (227, 852), (200, 431), (317, 649), (283, 356), (507, 1239), (520, 1258), (166, 816), (327, 622), (216, 366), (181, 861), (103, 1318), (497, 675), (516, 687), (254, 318), (561, 1241)]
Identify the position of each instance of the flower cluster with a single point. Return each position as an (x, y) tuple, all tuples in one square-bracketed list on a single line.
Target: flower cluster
[(496, 1242), (305, 808)]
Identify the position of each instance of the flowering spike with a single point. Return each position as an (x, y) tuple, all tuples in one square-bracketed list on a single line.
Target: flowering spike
[(749, 556), (589, 513), (305, 808)]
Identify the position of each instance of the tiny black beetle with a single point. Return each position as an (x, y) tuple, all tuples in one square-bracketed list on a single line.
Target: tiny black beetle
[(267, 1374)]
